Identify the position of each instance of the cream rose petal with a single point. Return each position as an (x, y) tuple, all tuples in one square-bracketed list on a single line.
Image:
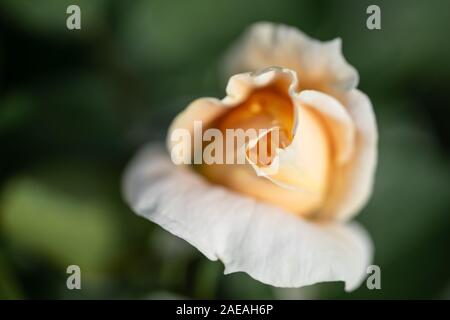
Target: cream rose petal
[(336, 118), (353, 182), (319, 65), (337, 121), (269, 244)]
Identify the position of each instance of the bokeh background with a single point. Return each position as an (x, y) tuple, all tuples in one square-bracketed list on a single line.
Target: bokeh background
[(76, 105)]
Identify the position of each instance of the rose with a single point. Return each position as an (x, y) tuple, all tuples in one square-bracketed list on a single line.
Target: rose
[(286, 228)]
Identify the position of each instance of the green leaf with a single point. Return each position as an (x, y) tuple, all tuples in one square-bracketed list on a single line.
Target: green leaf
[(61, 226)]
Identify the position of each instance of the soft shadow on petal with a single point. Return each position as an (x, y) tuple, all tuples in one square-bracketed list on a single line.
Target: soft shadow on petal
[(336, 118), (353, 182), (269, 244), (303, 165), (320, 65)]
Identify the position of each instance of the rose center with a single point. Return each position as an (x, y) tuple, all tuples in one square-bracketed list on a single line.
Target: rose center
[(268, 109)]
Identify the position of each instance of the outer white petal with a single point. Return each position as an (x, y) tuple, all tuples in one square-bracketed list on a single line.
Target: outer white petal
[(353, 182), (270, 245), (319, 65)]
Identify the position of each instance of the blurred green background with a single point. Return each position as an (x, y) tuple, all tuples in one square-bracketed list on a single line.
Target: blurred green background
[(76, 105)]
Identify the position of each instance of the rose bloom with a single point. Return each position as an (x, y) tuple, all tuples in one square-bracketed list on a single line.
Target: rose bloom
[(287, 228)]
